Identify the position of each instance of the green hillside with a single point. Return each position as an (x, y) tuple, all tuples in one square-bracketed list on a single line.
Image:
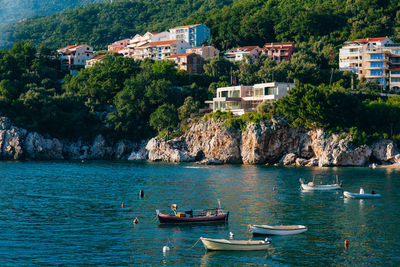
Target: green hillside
[(101, 24), (331, 21), (15, 10)]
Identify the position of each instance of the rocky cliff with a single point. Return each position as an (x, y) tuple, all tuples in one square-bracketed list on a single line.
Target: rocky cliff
[(269, 143), (208, 142), (19, 144)]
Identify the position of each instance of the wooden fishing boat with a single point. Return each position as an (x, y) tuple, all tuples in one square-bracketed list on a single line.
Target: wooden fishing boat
[(224, 244), (277, 230), (312, 186), (360, 196), (194, 216)]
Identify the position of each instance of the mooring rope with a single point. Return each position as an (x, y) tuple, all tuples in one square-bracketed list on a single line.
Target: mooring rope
[(169, 242), (195, 244)]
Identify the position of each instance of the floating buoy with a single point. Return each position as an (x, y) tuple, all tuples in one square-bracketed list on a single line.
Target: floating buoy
[(122, 205), (165, 249), (144, 195), (231, 234), (372, 205), (274, 188), (346, 243), (141, 193), (135, 221), (268, 240)]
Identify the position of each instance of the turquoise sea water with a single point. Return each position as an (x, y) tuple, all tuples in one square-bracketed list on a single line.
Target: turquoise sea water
[(70, 214)]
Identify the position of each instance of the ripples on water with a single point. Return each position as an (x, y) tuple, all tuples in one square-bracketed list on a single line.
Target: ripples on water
[(70, 213)]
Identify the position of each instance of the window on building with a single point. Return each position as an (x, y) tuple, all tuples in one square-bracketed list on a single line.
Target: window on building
[(376, 64), (233, 105), (395, 80), (259, 91), (270, 90), (376, 72), (376, 56), (395, 72), (234, 93)]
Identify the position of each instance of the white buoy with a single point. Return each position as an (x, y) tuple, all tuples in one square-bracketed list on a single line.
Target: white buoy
[(231, 234), (165, 249), (268, 240)]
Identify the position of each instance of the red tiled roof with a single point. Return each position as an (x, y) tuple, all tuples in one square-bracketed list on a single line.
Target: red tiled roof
[(67, 47), (79, 46), (98, 57), (367, 40), (159, 43), (187, 26), (154, 33), (248, 48), (180, 55)]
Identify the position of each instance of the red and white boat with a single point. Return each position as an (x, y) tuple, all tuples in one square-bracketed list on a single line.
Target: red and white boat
[(194, 216)]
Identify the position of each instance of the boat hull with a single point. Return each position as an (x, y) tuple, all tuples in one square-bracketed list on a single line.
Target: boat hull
[(360, 196), (163, 218), (276, 230), (321, 187), (223, 244)]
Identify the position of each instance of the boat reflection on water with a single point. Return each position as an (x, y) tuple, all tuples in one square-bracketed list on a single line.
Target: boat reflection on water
[(215, 226), (214, 258)]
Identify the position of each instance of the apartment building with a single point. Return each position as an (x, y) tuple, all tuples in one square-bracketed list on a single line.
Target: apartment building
[(190, 62), (74, 56), (118, 45), (204, 51), (160, 50), (237, 54), (279, 51), (241, 99), (142, 39), (194, 35), (373, 59)]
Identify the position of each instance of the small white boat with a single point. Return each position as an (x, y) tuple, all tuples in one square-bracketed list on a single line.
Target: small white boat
[(360, 196), (224, 244), (277, 230), (311, 186)]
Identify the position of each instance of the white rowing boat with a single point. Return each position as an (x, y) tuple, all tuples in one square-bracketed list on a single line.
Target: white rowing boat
[(277, 230), (322, 187), (360, 196), (311, 186), (224, 244)]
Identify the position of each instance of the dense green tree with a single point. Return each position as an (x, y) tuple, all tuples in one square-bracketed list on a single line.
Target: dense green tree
[(164, 118), (189, 106)]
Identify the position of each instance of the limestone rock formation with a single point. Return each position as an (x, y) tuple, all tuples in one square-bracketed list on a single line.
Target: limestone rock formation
[(11, 140), (39, 148), (214, 140), (171, 151)]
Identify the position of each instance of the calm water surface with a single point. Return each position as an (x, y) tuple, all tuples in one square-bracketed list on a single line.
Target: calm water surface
[(70, 213)]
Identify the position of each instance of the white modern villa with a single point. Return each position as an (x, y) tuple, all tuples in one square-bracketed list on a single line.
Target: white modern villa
[(241, 99)]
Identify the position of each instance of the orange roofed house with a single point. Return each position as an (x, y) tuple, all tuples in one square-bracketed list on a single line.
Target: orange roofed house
[(189, 62), (74, 57), (373, 59), (237, 54), (160, 50), (92, 61), (279, 51)]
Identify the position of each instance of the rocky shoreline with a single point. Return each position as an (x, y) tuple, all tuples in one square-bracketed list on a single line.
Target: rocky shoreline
[(208, 142)]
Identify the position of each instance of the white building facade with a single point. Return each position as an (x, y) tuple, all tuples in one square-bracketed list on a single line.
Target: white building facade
[(74, 56), (194, 35), (241, 99)]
